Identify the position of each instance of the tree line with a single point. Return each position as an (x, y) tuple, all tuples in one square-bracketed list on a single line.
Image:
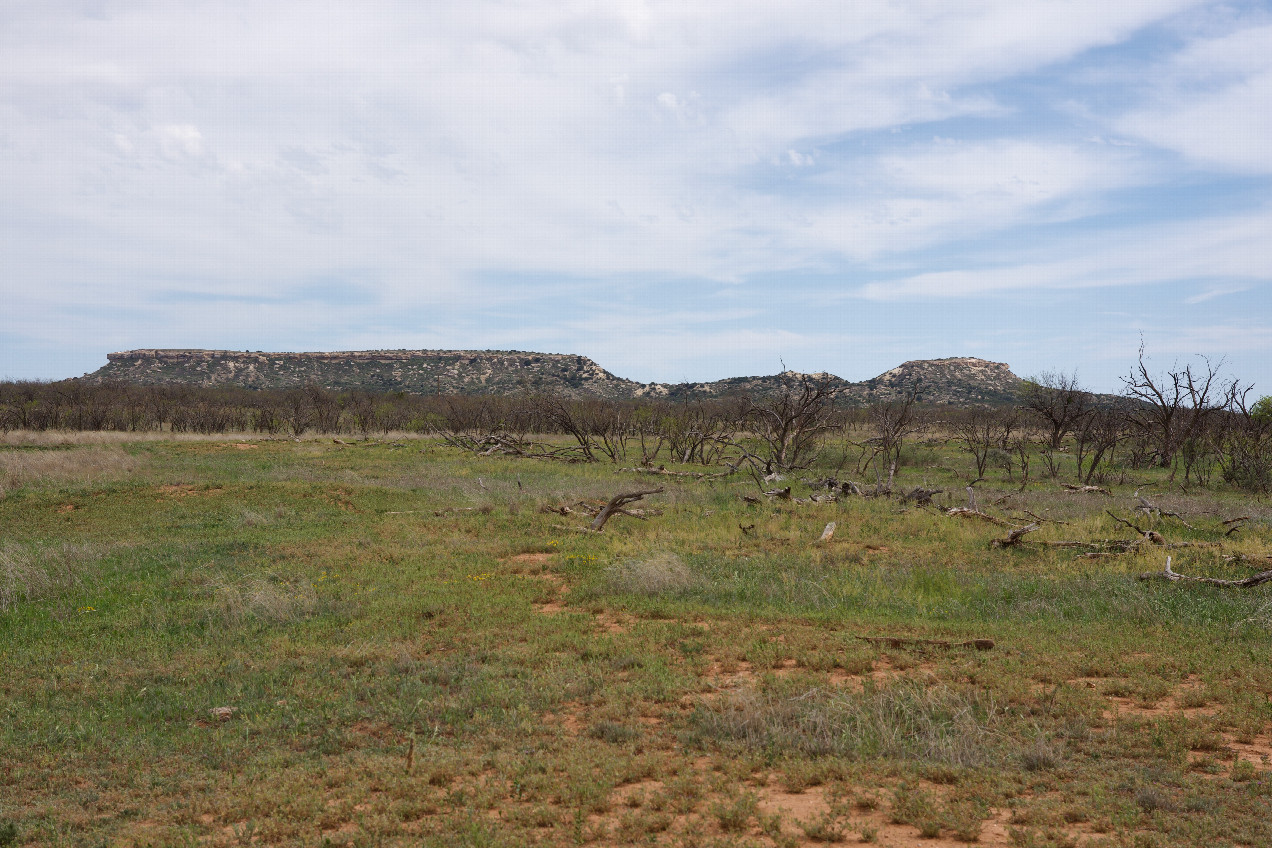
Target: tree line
[(1190, 420)]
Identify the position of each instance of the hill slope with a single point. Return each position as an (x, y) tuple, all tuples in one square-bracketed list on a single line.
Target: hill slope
[(959, 380)]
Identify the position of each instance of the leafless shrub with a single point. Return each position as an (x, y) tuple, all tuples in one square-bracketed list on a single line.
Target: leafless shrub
[(909, 720), (660, 574), (29, 573)]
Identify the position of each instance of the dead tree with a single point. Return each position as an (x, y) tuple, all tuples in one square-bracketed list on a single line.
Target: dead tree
[(892, 422), (981, 430), (792, 422), (1172, 408), (1095, 437), (1058, 400)]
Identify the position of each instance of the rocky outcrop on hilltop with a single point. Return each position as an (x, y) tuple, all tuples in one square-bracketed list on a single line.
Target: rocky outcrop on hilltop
[(464, 372), (958, 381)]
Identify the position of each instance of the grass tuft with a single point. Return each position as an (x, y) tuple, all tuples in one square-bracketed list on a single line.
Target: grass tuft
[(29, 573), (37, 467), (264, 599), (909, 721), (659, 574)]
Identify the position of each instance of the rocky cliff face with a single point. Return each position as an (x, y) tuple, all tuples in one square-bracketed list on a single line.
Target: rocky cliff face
[(940, 381)]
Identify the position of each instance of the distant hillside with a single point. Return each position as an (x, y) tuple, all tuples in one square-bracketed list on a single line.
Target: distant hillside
[(958, 381)]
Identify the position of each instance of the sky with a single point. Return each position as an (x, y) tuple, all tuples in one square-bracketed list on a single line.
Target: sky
[(678, 190)]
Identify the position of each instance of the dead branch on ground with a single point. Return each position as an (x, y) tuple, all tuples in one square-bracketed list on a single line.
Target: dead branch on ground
[(1098, 490), (662, 471), (1235, 524), (1042, 520), (901, 642), (1246, 558), (1245, 583), (1013, 538), (1149, 508), (966, 512), (1149, 535), (617, 503), (921, 496)]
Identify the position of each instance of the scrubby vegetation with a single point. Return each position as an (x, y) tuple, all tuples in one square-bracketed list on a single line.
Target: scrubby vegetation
[(411, 638)]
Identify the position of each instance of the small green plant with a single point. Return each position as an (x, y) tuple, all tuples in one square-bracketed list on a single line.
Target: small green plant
[(913, 806), (1243, 771), (827, 827), (735, 813)]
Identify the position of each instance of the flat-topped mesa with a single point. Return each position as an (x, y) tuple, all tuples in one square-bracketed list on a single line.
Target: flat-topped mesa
[(959, 380), (192, 354), (417, 371)]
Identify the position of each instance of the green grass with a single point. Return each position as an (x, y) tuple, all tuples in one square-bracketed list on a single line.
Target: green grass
[(405, 670)]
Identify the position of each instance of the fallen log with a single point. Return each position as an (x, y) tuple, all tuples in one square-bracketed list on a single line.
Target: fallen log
[(920, 495), (1097, 490), (901, 642), (662, 471), (1245, 583), (1118, 545)]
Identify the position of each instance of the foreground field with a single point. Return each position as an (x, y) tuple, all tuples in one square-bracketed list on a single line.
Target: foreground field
[(393, 643)]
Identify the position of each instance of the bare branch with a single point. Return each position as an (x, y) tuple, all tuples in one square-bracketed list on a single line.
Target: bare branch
[(1245, 583), (616, 503)]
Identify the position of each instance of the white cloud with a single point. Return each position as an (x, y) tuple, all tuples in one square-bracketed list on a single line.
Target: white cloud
[(179, 141), (1211, 292), (1210, 102), (447, 153), (1216, 248)]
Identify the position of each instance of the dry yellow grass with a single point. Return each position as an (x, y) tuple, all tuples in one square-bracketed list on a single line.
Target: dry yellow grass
[(63, 438), (20, 468), (28, 573)]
